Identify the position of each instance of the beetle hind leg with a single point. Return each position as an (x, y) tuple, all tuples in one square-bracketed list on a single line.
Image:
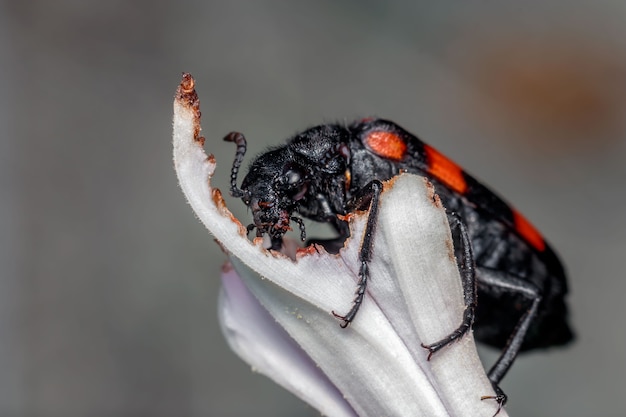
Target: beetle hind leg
[(512, 284)]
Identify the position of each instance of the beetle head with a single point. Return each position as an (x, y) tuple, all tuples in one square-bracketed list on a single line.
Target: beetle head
[(272, 189)]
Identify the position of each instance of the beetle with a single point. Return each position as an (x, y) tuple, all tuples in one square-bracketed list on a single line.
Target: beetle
[(330, 170)]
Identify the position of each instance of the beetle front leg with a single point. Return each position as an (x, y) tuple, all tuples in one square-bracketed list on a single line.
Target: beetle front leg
[(367, 196)]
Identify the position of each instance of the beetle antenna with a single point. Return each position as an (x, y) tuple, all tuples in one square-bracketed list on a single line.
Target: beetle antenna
[(301, 225), (240, 141)]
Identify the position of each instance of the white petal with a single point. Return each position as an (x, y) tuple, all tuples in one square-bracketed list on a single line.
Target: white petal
[(258, 339), (414, 296)]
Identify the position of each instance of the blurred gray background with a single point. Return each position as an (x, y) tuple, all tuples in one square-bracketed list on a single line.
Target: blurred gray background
[(108, 283)]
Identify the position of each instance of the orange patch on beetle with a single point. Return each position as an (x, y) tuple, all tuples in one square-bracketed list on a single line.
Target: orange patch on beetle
[(445, 170), (528, 231), (386, 144)]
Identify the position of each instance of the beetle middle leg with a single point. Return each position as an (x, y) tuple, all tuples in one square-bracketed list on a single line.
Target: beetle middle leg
[(467, 268)]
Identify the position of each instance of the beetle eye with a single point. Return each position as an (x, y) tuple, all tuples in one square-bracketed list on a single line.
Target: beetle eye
[(293, 180), (293, 177)]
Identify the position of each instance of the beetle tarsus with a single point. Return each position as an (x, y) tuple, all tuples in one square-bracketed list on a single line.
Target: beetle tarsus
[(500, 397)]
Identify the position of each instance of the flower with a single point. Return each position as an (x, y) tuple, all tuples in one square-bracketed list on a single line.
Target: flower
[(276, 312)]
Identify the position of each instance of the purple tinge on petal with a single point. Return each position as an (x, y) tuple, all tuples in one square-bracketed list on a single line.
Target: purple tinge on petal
[(256, 337)]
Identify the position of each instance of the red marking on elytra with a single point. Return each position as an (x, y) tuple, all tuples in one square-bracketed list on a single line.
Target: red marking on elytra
[(386, 144), (528, 231), (445, 170)]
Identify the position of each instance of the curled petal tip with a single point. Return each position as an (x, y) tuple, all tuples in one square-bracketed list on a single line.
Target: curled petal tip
[(186, 93), (187, 84)]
